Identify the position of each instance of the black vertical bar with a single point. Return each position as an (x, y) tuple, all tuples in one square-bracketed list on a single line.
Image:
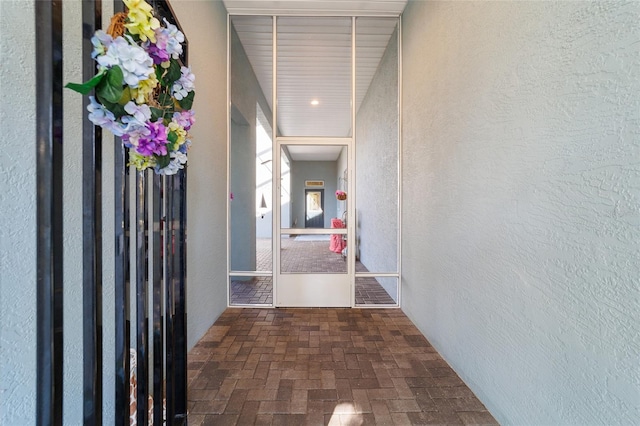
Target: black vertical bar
[(49, 191), (142, 271), (168, 262), (122, 283), (122, 275), (158, 343), (58, 216), (180, 299), (91, 232)]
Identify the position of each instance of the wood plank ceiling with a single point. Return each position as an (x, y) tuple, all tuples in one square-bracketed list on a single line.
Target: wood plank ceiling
[(316, 7), (314, 56)]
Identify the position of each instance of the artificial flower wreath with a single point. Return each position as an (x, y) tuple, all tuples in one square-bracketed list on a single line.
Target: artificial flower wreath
[(142, 93)]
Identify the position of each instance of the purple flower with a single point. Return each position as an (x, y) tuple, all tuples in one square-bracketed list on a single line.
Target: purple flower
[(162, 37), (132, 137), (157, 54), (184, 118), (155, 142), (167, 45)]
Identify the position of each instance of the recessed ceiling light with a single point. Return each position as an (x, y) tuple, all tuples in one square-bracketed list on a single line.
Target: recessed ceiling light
[(315, 102)]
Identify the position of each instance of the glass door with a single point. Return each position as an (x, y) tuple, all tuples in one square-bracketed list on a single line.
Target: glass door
[(312, 259), (314, 117)]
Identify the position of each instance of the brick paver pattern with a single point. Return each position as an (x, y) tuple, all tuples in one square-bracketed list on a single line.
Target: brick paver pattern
[(324, 366), (302, 256)]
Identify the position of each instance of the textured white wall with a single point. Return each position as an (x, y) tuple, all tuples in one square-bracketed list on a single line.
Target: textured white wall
[(377, 170), (18, 209), (521, 202), (205, 25)]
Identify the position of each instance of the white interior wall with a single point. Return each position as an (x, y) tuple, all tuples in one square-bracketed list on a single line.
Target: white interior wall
[(521, 193)]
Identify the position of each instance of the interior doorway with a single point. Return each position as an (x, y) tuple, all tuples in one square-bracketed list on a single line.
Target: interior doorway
[(309, 271), (314, 208)]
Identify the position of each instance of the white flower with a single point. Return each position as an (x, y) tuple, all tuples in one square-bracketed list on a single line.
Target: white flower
[(136, 64), (141, 112), (101, 42), (178, 160), (175, 40), (138, 116), (100, 116), (184, 85)]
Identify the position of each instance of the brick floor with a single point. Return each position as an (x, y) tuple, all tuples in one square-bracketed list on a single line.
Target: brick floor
[(302, 256), (324, 366)]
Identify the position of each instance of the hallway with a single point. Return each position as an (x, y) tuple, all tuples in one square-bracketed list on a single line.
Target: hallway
[(509, 133), (299, 256), (323, 366)]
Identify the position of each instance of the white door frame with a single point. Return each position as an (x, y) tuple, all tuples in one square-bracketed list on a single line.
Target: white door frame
[(277, 142), (313, 289)]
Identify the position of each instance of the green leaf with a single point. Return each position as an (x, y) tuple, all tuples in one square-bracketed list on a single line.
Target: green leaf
[(173, 72), (156, 113), (110, 88), (85, 88), (126, 96), (163, 161), (165, 100), (159, 73), (187, 101), (118, 110), (172, 137), (115, 75)]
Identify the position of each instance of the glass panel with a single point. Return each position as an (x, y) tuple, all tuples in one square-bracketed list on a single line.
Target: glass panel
[(250, 144), (377, 185), (376, 291), (313, 253), (251, 290), (314, 182), (314, 76)]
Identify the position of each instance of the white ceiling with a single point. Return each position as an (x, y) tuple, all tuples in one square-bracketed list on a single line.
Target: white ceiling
[(316, 7), (314, 57), (314, 152)]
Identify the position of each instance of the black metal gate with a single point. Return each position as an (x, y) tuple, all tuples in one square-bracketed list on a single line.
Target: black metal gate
[(158, 331)]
